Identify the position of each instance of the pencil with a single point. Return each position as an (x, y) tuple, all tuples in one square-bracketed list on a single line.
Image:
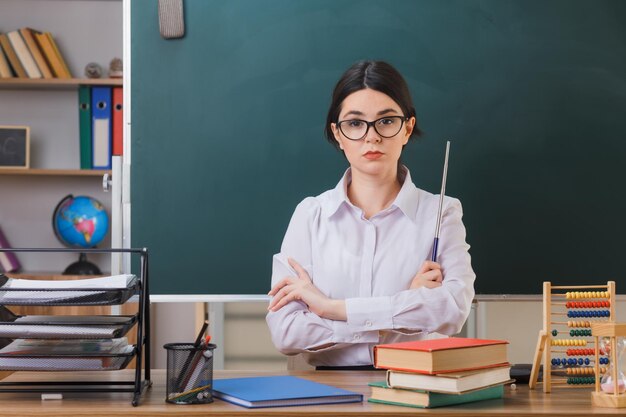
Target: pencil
[(192, 354)]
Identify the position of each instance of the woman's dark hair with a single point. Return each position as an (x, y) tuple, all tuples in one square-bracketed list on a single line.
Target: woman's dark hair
[(376, 75)]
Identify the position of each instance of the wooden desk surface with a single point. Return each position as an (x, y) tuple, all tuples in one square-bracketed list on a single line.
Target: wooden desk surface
[(518, 403)]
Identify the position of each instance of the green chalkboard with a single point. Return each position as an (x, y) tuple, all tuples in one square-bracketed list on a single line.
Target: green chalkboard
[(227, 129)]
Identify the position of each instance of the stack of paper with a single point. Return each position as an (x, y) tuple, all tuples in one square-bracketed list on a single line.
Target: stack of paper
[(33, 354), (39, 290), (13, 331)]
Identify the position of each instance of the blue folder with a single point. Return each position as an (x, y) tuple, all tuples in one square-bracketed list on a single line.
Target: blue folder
[(101, 127), (280, 391)]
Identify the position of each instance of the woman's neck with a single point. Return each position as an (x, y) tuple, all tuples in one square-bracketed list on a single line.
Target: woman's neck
[(371, 193)]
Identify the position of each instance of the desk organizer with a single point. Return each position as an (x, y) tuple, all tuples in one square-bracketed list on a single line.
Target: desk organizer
[(66, 327), (86, 337), (66, 296)]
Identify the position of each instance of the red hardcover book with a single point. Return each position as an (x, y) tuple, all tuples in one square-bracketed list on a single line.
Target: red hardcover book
[(118, 121), (451, 354)]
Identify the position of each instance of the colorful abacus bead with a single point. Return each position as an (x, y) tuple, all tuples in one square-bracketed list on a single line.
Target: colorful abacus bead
[(581, 380), (588, 313), (579, 371), (579, 333)]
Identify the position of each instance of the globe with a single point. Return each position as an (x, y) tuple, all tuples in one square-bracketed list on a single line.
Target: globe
[(80, 222)]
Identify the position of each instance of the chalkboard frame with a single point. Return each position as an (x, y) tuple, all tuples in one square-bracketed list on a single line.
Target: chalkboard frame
[(21, 136)]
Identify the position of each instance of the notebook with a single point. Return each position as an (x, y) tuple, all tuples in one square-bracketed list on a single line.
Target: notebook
[(280, 391), (383, 394)]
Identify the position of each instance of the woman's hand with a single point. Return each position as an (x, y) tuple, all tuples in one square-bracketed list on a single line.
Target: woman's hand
[(429, 276), (301, 288)]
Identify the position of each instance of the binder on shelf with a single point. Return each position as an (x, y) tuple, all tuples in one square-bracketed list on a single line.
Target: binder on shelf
[(101, 127), (84, 122), (5, 68), (12, 56), (118, 124), (8, 260), (33, 47), (24, 55)]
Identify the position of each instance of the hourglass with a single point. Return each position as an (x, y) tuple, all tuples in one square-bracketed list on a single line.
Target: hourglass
[(610, 340)]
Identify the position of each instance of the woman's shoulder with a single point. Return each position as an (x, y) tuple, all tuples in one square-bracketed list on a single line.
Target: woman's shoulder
[(309, 206), (428, 200), (312, 206)]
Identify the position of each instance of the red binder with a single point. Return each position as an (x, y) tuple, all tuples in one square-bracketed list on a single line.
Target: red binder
[(118, 124)]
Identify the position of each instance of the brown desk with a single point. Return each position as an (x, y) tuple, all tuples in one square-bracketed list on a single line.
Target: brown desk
[(518, 403)]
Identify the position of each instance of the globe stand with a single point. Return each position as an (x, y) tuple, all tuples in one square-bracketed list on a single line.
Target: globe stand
[(82, 267)]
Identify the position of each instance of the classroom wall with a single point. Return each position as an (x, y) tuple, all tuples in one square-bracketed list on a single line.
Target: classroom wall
[(248, 345), (85, 31), (519, 322)]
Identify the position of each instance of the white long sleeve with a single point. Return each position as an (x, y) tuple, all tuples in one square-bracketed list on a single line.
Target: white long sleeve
[(370, 265)]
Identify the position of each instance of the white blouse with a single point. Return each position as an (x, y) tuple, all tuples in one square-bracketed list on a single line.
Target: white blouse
[(370, 263)]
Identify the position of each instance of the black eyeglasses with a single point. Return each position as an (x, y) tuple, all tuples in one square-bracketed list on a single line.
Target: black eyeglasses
[(386, 127)]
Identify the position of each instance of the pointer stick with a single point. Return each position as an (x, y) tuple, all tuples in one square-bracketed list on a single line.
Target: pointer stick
[(443, 192)]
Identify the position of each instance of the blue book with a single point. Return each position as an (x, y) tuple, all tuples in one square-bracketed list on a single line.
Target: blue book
[(280, 391)]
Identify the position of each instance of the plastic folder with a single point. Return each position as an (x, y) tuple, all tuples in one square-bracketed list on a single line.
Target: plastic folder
[(101, 127), (118, 118), (280, 391), (84, 121)]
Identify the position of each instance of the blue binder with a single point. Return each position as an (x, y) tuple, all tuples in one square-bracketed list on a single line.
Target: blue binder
[(101, 127)]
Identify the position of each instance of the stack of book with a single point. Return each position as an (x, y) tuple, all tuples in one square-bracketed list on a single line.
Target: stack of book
[(440, 372), (29, 53)]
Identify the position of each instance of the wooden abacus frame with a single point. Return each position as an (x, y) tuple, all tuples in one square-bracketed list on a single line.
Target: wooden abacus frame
[(616, 399), (544, 343)]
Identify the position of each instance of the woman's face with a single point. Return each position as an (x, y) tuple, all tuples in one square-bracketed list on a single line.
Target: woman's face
[(373, 154)]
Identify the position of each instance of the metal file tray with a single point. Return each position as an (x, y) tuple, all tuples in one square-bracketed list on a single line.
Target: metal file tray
[(67, 296), (88, 361), (53, 343), (63, 327)]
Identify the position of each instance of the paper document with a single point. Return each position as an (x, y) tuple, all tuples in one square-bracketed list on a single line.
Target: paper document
[(112, 282), (25, 347), (74, 320), (31, 286), (61, 364), (13, 331), (16, 357)]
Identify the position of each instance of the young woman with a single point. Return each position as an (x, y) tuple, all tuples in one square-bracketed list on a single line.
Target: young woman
[(354, 269)]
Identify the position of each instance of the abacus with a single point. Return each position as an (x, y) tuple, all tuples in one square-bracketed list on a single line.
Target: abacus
[(565, 343)]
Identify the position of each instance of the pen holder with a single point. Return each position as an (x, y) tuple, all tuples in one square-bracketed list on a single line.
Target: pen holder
[(189, 373)]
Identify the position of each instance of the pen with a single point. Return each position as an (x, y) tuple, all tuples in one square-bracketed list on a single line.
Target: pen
[(443, 192), (200, 333), (184, 373), (179, 396)]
